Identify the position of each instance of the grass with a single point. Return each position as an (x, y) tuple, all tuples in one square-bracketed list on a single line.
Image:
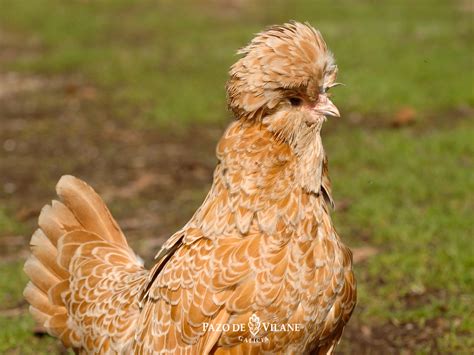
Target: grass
[(164, 63), (411, 201), (8, 223), (16, 327), (170, 59)]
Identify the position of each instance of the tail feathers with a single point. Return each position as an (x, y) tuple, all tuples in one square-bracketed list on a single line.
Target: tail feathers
[(78, 246), (89, 209), (57, 219), (69, 244), (45, 252), (42, 306), (76, 236)]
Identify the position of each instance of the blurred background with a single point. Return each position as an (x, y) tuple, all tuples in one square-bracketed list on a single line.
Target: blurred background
[(129, 95)]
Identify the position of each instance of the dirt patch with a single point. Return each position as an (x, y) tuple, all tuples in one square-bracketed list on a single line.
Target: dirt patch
[(406, 118), (15, 46), (152, 180), (466, 6), (392, 338)]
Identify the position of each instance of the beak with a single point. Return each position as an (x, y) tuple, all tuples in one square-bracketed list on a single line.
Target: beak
[(326, 107)]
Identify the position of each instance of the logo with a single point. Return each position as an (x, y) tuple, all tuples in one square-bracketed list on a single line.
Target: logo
[(254, 326)]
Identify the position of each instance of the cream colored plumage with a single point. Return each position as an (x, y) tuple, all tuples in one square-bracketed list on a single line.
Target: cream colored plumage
[(262, 243)]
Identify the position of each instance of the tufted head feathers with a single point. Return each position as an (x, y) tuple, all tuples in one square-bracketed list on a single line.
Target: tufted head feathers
[(284, 65)]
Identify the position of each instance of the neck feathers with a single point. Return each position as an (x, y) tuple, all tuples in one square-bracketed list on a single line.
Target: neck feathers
[(259, 183), (310, 164)]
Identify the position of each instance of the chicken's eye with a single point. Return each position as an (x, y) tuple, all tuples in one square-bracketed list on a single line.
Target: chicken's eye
[(295, 101)]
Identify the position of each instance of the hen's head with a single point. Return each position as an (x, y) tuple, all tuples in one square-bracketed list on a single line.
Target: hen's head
[(282, 79)]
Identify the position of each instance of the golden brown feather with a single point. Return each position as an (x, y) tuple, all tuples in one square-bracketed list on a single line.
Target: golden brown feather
[(261, 246)]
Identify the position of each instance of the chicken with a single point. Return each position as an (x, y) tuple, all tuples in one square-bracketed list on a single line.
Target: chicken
[(259, 268)]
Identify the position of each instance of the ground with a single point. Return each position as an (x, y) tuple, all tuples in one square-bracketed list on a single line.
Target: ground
[(130, 97)]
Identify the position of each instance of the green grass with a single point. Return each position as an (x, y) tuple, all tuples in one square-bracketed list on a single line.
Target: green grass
[(409, 195), (410, 190), (169, 59), (16, 334), (16, 325), (11, 295), (8, 224)]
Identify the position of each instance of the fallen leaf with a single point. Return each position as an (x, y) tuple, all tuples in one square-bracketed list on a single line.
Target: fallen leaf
[(404, 117), (366, 331), (363, 253)]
